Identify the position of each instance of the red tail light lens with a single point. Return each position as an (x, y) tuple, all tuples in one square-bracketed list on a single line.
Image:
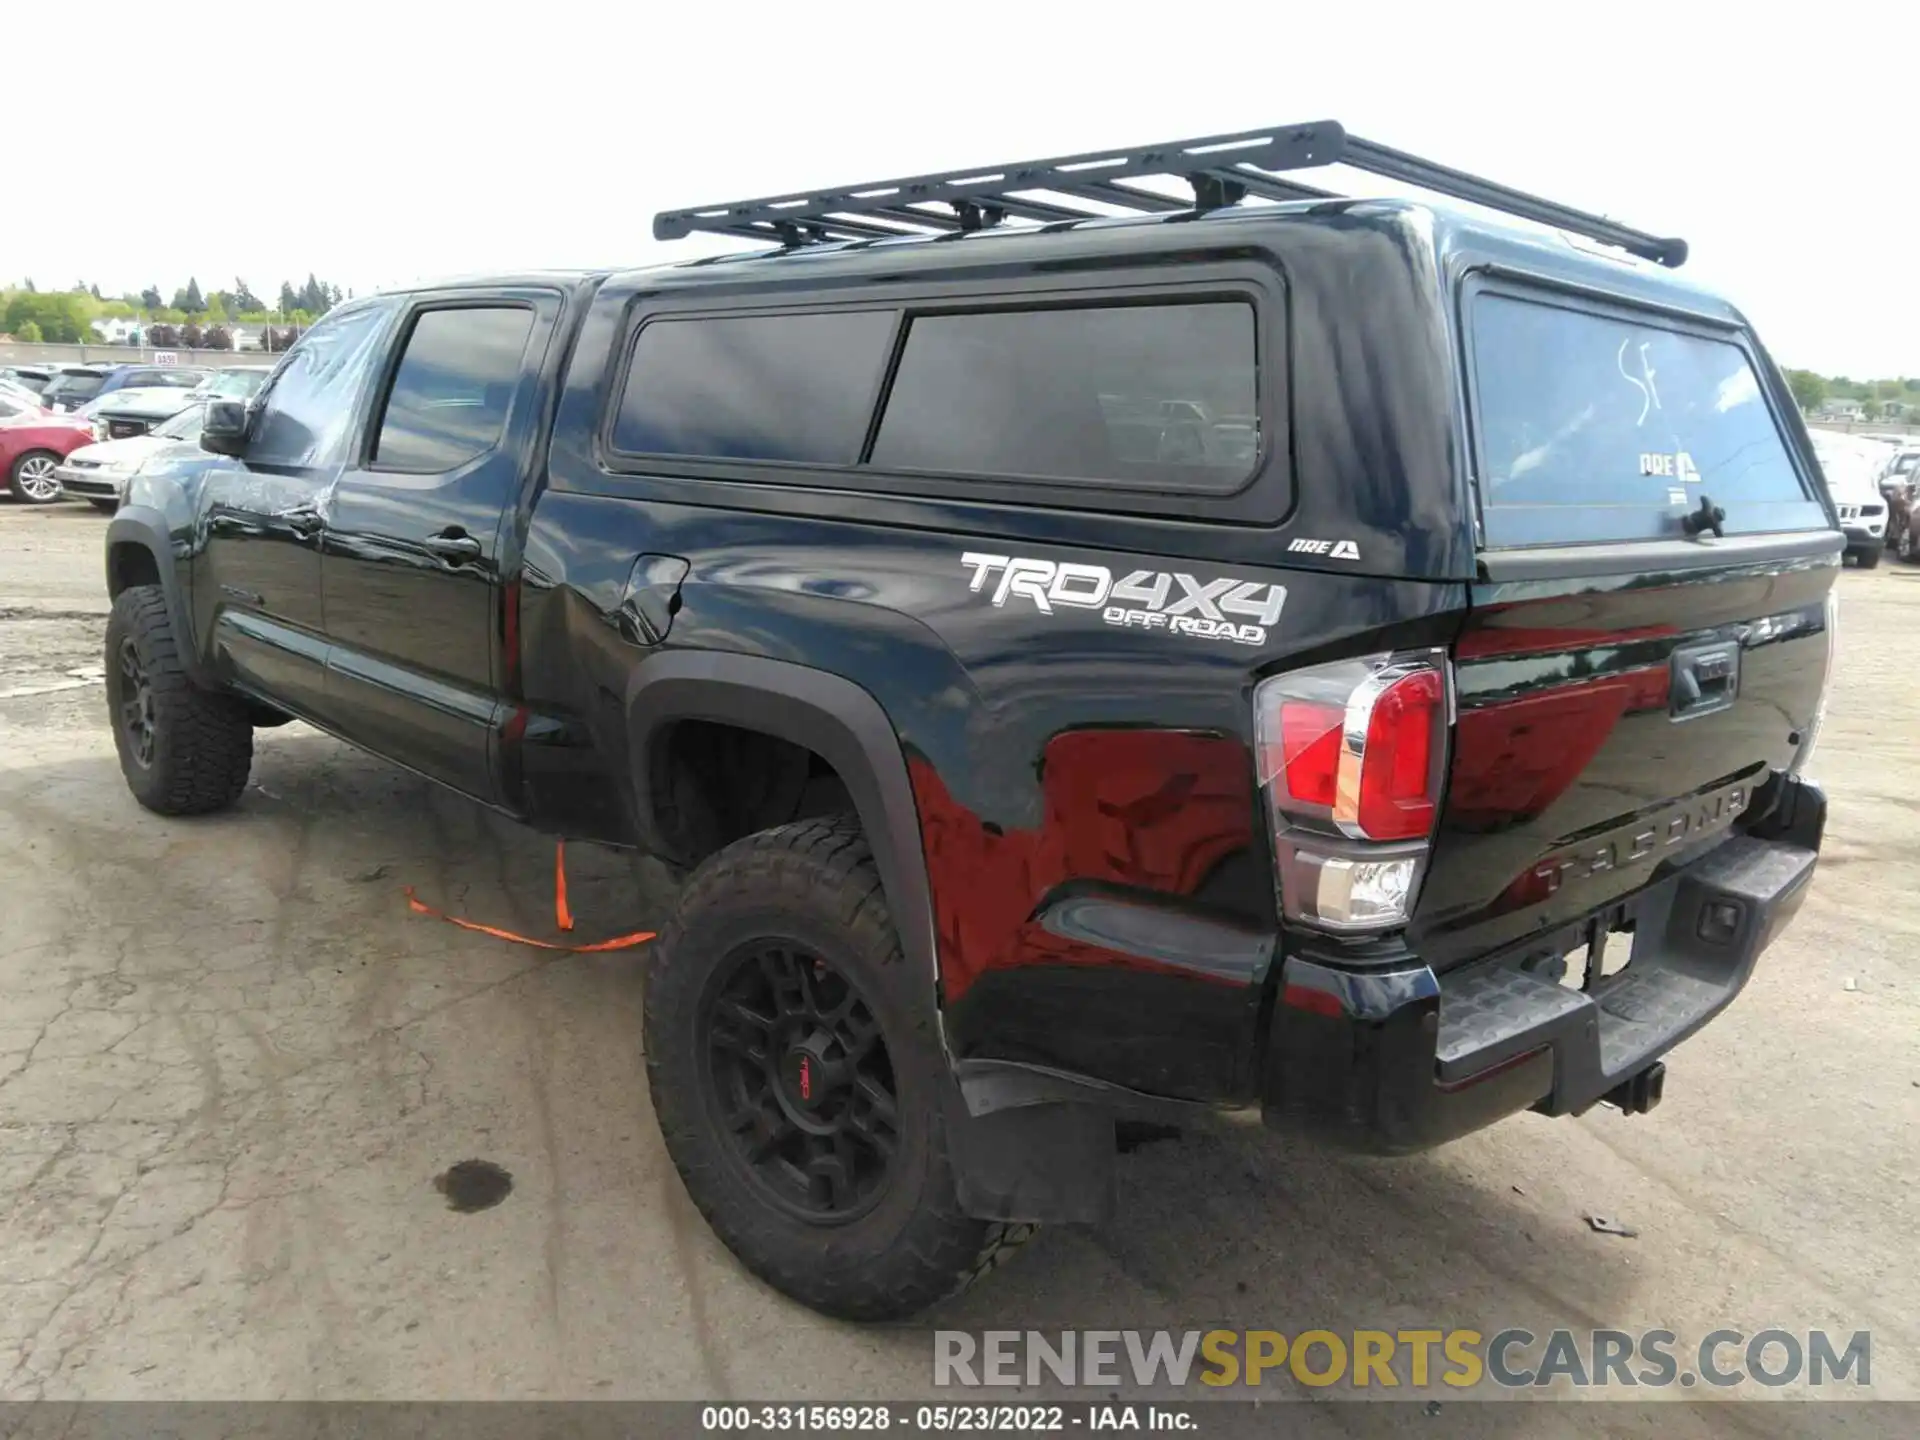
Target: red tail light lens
[(1397, 783), (1310, 745)]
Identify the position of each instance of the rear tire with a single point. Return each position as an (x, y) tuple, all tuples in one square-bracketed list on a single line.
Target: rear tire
[(31, 478), (183, 750), (797, 1076), (1903, 549)]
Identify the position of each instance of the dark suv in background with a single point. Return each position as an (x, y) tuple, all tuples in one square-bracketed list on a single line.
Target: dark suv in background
[(75, 385), (1276, 655)]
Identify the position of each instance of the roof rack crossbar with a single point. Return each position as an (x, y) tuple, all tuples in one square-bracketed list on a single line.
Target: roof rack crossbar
[(1045, 211), (1221, 169), (1125, 196)]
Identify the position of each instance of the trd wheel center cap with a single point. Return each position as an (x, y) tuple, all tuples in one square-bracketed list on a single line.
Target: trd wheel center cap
[(809, 1076)]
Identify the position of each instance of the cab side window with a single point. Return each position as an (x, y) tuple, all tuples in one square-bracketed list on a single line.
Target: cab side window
[(453, 388), (307, 412)]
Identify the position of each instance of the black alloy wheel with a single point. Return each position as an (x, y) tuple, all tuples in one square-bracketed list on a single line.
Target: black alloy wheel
[(800, 1082), (135, 696)]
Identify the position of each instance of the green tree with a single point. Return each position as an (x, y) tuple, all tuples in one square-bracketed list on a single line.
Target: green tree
[(150, 299), (60, 319), (244, 300), (195, 301), (1809, 389), (289, 299), (29, 334), (216, 313)]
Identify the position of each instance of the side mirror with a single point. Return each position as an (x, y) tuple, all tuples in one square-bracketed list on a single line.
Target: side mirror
[(224, 430)]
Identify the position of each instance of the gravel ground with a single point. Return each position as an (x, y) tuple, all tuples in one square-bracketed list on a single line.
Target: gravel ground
[(232, 1063)]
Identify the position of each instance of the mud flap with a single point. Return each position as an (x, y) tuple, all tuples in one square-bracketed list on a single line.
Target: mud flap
[(1044, 1164)]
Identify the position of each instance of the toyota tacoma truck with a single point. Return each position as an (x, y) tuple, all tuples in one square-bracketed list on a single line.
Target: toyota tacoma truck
[(1125, 635)]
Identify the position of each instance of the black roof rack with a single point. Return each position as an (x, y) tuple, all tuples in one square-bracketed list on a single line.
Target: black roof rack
[(1221, 170)]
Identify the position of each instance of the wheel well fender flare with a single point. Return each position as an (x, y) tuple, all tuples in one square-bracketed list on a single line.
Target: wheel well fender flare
[(144, 528), (829, 715)]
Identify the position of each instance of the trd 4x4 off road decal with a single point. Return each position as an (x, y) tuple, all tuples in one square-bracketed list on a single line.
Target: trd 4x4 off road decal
[(1155, 599)]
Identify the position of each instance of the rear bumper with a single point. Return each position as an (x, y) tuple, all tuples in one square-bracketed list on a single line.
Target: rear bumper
[(1397, 1059)]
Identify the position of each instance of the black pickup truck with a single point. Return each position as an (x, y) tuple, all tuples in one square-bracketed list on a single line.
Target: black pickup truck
[(1099, 649)]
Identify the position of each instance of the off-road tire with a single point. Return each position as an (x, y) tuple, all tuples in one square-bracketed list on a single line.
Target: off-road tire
[(202, 744), (813, 884), (36, 460)]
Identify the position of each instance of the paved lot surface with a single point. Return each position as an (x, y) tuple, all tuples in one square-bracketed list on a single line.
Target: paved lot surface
[(232, 1063)]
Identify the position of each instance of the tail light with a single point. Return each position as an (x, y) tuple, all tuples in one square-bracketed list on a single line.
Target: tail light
[(1805, 751), (1352, 758)]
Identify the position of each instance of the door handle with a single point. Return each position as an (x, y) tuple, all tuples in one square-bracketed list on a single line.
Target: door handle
[(454, 544)]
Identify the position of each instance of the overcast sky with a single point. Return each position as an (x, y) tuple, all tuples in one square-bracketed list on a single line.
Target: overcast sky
[(380, 143)]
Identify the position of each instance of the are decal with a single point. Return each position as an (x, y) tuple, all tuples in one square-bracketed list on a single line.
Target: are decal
[(1220, 609)]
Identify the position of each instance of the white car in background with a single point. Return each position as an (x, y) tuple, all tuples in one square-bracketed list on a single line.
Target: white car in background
[(99, 473), (1852, 467)]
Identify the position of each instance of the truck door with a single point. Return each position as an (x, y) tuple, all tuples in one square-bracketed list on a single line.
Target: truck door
[(410, 566), (257, 595)]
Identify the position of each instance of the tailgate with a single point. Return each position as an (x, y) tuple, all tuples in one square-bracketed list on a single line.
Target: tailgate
[(1623, 685)]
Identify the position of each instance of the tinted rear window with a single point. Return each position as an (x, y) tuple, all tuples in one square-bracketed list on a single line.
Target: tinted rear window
[(1594, 428), (454, 387), (758, 387), (1158, 396)]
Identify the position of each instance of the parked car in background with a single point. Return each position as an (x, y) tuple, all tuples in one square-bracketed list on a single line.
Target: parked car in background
[(81, 384), (233, 382), (140, 377), (134, 412), (32, 377), (1900, 468), (18, 400), (31, 449), (1903, 523), (99, 473), (1852, 468), (73, 386)]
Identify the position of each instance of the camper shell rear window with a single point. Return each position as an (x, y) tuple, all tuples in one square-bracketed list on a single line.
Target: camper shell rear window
[(1600, 423)]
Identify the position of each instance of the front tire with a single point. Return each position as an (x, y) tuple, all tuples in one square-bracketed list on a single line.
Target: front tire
[(1869, 558), (31, 479), (1903, 549), (798, 1079), (183, 750)]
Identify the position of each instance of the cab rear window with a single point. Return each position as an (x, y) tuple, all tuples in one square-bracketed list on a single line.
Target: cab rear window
[(1599, 426)]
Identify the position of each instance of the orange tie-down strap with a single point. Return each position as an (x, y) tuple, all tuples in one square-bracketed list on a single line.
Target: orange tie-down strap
[(562, 916)]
